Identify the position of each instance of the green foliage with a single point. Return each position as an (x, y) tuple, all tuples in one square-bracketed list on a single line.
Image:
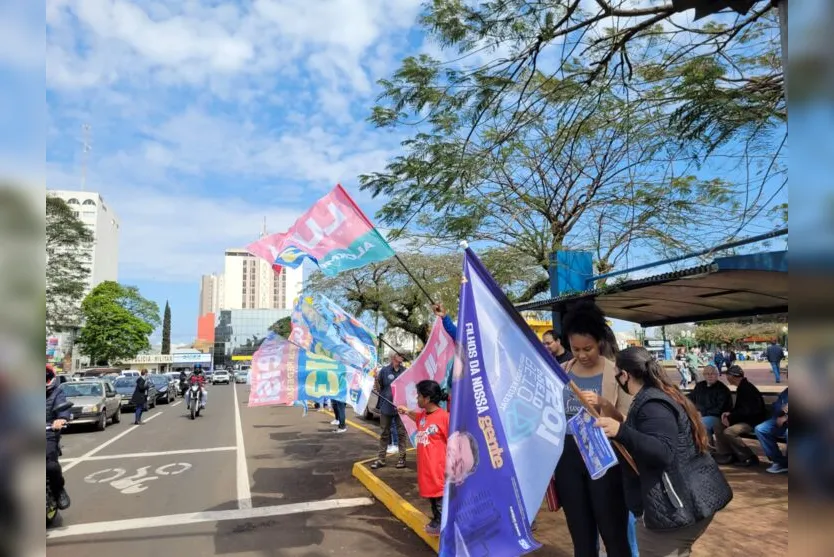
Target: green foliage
[(166, 329), (117, 322), (68, 245), (592, 144), (731, 333), (385, 289), (282, 327)]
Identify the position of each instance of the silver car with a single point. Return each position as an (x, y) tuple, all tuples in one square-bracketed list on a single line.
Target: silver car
[(93, 402)]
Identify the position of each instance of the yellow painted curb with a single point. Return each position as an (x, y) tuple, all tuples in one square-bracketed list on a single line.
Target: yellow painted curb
[(399, 507), (361, 428)]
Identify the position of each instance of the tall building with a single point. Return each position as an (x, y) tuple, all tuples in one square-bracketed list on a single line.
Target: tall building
[(250, 283), (209, 293), (104, 224)]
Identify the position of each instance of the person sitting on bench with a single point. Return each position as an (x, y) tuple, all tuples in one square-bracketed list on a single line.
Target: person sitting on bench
[(748, 412), (769, 431)]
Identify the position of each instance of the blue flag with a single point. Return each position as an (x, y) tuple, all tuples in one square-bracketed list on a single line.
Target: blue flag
[(507, 426)]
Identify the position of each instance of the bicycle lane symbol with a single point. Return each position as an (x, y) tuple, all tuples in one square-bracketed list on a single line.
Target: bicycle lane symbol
[(135, 483)]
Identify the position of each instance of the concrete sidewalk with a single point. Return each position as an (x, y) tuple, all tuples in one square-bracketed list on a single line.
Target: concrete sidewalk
[(755, 522)]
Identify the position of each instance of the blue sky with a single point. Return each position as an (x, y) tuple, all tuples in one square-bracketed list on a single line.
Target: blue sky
[(208, 116)]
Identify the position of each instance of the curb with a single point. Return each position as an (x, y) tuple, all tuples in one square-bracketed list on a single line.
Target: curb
[(399, 507)]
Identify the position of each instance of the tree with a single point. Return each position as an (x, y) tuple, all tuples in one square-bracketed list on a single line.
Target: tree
[(282, 327), (385, 288), (68, 244), (595, 143), (117, 323), (166, 329)]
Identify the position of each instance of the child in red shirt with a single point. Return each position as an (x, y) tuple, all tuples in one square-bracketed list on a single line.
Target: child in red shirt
[(432, 433)]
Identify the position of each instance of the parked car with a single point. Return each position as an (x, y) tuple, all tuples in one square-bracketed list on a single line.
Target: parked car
[(165, 390), (124, 388), (130, 373), (93, 402), (221, 376), (241, 376), (174, 378)]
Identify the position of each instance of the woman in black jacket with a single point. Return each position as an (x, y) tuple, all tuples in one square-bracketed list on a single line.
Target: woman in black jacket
[(679, 488), (140, 396)]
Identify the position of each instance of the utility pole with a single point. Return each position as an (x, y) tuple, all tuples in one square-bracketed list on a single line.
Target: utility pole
[(783, 31), (85, 148)]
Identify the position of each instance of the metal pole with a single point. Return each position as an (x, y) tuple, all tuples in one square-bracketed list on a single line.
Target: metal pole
[(417, 282), (735, 244)]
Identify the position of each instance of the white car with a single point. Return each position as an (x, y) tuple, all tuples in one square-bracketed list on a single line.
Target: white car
[(221, 376)]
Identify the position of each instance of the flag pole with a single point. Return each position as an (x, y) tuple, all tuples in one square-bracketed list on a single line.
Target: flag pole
[(417, 282)]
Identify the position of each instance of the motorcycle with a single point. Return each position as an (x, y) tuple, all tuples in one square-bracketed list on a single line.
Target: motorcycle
[(51, 500), (195, 396)]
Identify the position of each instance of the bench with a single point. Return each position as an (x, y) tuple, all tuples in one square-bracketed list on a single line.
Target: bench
[(769, 399)]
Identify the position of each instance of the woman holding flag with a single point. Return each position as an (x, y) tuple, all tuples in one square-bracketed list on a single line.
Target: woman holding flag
[(593, 508), (680, 487)]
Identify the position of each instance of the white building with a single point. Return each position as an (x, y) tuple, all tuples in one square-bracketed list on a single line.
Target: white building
[(104, 251), (250, 283), (104, 224)]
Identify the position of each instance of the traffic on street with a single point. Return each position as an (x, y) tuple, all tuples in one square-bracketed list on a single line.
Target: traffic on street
[(259, 481)]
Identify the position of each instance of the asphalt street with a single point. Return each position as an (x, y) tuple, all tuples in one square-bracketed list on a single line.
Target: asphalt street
[(235, 481)]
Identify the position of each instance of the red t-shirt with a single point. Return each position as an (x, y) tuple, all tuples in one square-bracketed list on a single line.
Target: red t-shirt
[(432, 433)]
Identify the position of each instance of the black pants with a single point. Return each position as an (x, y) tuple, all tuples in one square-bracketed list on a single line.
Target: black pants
[(592, 506), (436, 508), (54, 475)]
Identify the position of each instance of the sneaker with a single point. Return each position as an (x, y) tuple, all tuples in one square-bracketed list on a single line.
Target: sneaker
[(748, 462), (392, 449), (401, 463), (63, 501), (378, 464), (777, 469), (433, 528), (340, 430), (334, 422)]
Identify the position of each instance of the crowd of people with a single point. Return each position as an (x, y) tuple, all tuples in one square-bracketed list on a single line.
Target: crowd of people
[(676, 441)]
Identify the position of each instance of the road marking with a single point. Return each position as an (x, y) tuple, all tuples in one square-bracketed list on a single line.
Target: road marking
[(87, 455), (149, 454), (176, 404), (207, 516), (244, 492), (134, 484)]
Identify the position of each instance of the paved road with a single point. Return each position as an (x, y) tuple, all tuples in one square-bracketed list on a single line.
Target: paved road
[(264, 481)]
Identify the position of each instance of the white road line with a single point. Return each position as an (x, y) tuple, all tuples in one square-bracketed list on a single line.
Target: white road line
[(94, 528), (244, 492), (143, 455), (176, 404), (87, 455)]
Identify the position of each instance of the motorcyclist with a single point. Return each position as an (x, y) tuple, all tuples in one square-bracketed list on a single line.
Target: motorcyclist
[(54, 474), (199, 378)]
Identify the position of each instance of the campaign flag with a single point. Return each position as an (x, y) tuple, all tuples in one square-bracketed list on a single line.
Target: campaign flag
[(283, 373), (432, 363), (322, 327), (507, 425), (594, 446), (359, 391), (334, 234)]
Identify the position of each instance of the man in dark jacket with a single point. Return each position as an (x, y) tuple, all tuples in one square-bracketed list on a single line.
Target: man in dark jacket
[(748, 412), (775, 355), (388, 415), (54, 475), (140, 396), (712, 398)]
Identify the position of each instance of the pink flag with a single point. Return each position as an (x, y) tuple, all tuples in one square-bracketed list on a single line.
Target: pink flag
[(432, 363), (334, 233)]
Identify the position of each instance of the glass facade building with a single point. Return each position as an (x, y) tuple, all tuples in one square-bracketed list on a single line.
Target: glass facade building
[(239, 332)]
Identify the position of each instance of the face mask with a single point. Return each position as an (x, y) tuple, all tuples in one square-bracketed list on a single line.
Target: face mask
[(624, 386)]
